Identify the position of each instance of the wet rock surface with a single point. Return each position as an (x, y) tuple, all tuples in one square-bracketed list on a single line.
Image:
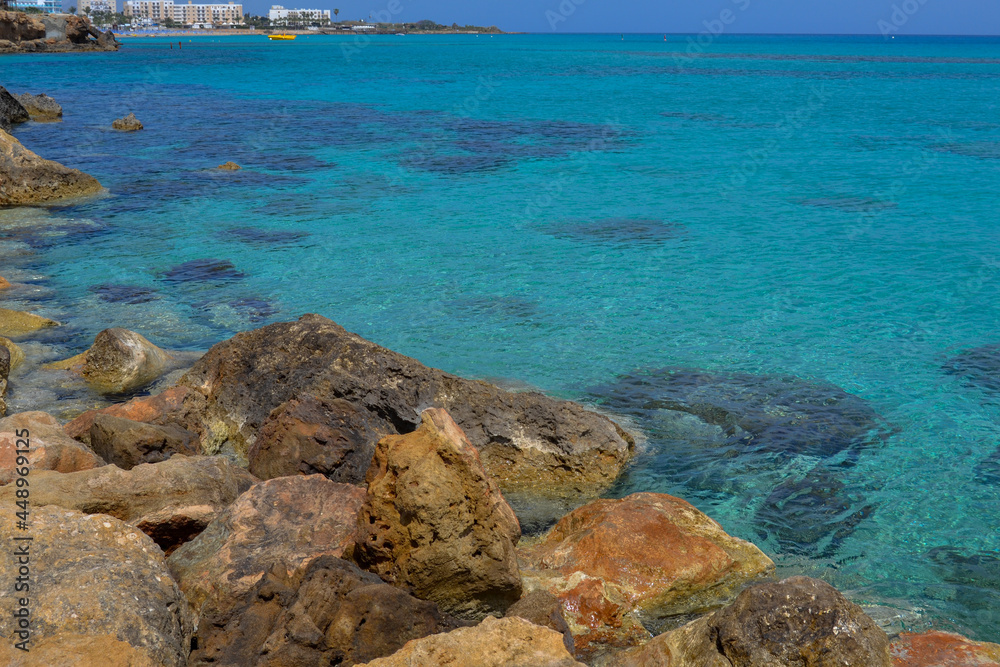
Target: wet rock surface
[(942, 649), (434, 522), (331, 614), (118, 362), (26, 178), (97, 575), (17, 323)]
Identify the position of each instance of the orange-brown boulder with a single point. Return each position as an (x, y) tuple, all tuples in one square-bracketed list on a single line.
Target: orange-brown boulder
[(434, 522), (942, 649), (290, 520), (49, 448), (647, 556), (166, 407)]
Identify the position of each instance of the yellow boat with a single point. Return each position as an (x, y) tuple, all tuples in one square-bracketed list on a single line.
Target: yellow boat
[(281, 36)]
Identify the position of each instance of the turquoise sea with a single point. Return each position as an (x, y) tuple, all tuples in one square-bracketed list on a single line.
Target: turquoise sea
[(577, 213)]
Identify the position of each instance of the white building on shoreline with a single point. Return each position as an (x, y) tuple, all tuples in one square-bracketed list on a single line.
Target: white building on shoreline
[(188, 14), (279, 14), (94, 6)]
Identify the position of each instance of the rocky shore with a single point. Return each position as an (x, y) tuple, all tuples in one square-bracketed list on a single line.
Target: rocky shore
[(51, 33), (302, 496)]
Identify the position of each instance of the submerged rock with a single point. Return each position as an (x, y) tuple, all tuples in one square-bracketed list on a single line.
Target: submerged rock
[(979, 366), (126, 443), (97, 575), (171, 501), (40, 107), (759, 413), (203, 270), (648, 556), (4, 283), (11, 111), (49, 448), (127, 124), (17, 323), (506, 642), (798, 622), (942, 649), (119, 361), (132, 294), (291, 521), (331, 614), (527, 442), (229, 166), (26, 178), (434, 522)]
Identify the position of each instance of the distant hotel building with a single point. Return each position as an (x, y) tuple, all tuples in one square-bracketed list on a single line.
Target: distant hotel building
[(94, 6), (186, 14), (279, 13), (47, 6)]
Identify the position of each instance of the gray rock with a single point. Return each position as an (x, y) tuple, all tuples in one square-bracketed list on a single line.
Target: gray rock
[(11, 111), (40, 107)]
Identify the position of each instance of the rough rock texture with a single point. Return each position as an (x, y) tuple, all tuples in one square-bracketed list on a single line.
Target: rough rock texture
[(331, 614), (309, 435), (168, 407), (26, 178), (16, 353), (171, 501), (435, 522), (4, 283), (32, 33), (127, 124), (11, 110), (798, 622), (544, 609), (49, 446), (291, 520), (40, 107), (4, 373), (74, 650), (119, 361), (97, 575), (942, 649), (17, 323), (229, 166), (528, 442), (127, 443), (507, 642), (648, 555)]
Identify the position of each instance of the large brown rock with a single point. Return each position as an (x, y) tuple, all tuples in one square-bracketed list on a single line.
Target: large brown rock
[(26, 178), (290, 520), (95, 575), (433, 521), (172, 406), (18, 27), (529, 443), (127, 124), (40, 107), (798, 622), (310, 435), (331, 614), (172, 501), (11, 110), (648, 556), (49, 448), (119, 361), (16, 323), (507, 642), (73, 650), (942, 649), (16, 353), (126, 443)]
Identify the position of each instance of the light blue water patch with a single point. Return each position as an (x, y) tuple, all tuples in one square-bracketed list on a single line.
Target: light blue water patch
[(786, 241)]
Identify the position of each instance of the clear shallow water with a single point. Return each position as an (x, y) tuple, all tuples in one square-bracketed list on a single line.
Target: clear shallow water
[(566, 210)]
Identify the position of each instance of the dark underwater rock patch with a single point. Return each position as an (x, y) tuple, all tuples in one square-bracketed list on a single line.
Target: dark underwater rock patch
[(979, 366), (263, 237), (617, 231), (113, 293), (988, 470), (989, 150), (504, 307), (252, 309), (812, 514), (204, 271), (764, 413), (470, 163), (850, 204)]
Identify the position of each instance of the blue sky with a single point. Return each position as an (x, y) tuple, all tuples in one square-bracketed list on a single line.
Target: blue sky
[(974, 17)]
